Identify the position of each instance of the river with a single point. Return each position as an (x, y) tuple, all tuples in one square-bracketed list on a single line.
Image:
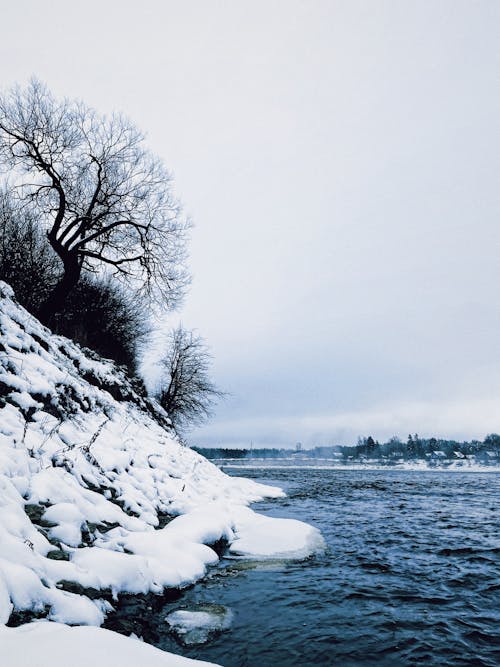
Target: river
[(411, 575)]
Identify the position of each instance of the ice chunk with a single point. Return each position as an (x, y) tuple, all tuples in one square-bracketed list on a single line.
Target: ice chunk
[(193, 627)]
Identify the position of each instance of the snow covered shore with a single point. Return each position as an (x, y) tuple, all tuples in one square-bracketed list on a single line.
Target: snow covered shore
[(98, 498), (44, 644)]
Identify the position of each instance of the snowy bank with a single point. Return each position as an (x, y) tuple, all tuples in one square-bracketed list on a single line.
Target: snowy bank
[(47, 644), (97, 496)]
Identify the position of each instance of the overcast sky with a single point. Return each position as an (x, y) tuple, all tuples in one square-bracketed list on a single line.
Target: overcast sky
[(340, 160)]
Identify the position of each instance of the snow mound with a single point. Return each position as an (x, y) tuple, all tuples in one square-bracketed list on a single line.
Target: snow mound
[(49, 644), (97, 495), (264, 537)]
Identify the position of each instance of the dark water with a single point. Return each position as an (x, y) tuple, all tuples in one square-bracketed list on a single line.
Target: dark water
[(411, 575)]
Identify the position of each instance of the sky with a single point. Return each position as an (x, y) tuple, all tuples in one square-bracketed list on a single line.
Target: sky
[(340, 161)]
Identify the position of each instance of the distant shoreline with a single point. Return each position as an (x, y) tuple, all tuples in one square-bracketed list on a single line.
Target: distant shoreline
[(417, 466)]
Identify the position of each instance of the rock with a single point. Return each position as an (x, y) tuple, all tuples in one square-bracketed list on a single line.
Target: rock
[(58, 554)]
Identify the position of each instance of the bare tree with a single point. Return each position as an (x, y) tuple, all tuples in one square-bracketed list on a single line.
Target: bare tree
[(105, 201), (98, 313), (188, 394)]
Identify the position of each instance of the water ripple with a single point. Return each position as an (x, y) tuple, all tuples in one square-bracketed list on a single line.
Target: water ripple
[(411, 575)]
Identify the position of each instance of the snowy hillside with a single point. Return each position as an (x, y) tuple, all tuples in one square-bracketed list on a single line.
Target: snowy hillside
[(91, 476)]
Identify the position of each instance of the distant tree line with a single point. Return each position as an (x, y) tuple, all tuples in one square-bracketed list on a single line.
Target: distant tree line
[(223, 452), (93, 240), (265, 452), (415, 447)]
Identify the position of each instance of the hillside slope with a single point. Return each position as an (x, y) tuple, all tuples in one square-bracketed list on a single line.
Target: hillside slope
[(97, 496)]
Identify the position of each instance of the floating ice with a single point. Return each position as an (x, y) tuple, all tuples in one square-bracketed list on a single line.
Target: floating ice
[(197, 626)]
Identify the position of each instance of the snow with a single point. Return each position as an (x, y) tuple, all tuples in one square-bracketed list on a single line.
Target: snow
[(48, 644), (120, 572), (5, 602), (265, 537), (85, 480)]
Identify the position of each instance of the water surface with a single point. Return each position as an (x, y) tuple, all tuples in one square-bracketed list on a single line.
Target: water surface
[(411, 575)]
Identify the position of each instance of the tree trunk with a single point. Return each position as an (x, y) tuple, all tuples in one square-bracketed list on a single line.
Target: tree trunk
[(55, 301)]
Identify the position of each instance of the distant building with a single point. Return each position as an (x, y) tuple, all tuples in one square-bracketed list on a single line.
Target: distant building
[(489, 455), (437, 455)]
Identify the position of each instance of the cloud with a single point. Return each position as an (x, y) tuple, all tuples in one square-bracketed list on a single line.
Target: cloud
[(454, 419), (341, 167)]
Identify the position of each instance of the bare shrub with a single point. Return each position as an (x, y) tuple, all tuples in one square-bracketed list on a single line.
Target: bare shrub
[(187, 392)]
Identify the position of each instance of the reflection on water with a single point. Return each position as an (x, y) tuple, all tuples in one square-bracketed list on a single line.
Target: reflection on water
[(411, 576)]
